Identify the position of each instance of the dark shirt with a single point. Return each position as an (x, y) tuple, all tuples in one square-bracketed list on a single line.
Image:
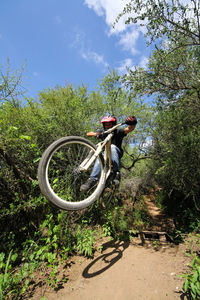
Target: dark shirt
[(117, 138)]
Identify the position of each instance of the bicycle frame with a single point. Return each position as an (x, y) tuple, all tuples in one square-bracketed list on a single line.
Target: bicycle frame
[(106, 143)]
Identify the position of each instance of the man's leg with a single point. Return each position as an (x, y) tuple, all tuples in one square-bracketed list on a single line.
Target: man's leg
[(115, 155), (96, 170), (93, 177)]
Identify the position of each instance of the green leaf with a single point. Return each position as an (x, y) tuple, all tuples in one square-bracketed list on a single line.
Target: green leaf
[(193, 288), (36, 159), (186, 285), (13, 127), (25, 137), (14, 257)]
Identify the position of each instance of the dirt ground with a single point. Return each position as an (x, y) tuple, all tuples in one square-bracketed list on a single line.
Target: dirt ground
[(126, 270)]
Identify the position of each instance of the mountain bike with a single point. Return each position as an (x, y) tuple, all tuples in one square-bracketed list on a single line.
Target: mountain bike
[(67, 163)]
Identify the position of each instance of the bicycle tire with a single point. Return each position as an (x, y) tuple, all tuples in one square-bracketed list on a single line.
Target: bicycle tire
[(58, 178)]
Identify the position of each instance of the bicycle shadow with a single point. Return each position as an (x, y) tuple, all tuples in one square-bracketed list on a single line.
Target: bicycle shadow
[(115, 255)]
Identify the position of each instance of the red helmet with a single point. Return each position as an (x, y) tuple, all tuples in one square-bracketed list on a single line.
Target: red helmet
[(109, 118)]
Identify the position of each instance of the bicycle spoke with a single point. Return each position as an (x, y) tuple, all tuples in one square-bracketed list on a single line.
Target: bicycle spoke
[(64, 174)]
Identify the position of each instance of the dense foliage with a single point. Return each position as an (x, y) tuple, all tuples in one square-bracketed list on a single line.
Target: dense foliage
[(172, 77)]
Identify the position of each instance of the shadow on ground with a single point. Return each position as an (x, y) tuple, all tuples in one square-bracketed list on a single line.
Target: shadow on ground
[(108, 259)]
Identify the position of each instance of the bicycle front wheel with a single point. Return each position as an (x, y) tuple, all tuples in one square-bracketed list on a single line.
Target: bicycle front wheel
[(60, 176)]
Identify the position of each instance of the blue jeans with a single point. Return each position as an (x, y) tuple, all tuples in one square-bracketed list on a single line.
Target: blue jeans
[(116, 154)]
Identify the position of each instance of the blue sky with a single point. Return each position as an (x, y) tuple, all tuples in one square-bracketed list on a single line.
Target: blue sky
[(67, 41)]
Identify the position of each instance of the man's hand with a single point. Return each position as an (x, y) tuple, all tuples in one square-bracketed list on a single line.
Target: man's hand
[(100, 135), (131, 121)]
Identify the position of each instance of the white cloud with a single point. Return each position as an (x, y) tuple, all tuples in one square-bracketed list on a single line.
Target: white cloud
[(85, 52), (96, 5), (94, 57), (129, 63), (79, 39), (110, 9), (128, 40), (125, 64)]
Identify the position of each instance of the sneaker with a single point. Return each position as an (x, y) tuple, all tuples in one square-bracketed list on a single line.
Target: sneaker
[(117, 178), (88, 185)]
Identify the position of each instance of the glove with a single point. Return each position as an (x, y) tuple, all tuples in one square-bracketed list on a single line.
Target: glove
[(131, 121)]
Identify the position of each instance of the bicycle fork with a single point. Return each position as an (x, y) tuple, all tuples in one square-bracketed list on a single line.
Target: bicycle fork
[(88, 161), (84, 166)]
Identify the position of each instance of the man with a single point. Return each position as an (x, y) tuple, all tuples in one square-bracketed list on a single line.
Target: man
[(116, 151)]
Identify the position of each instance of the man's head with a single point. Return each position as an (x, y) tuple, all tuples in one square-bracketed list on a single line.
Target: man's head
[(108, 121)]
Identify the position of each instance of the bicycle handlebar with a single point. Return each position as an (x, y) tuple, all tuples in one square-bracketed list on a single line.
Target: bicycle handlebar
[(114, 127)]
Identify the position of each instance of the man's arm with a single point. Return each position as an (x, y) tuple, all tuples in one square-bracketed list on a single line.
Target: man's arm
[(131, 122), (99, 134), (91, 133), (129, 128)]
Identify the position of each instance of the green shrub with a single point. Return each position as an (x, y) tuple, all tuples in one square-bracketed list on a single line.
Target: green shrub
[(192, 280), (85, 241)]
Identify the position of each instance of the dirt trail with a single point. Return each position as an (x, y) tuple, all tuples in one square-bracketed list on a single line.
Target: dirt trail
[(126, 270), (160, 221)]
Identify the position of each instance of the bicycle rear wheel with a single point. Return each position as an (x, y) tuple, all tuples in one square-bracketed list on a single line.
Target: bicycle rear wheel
[(60, 177)]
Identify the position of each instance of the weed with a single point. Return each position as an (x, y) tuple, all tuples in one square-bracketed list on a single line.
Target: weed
[(192, 280), (191, 284), (11, 281), (85, 241)]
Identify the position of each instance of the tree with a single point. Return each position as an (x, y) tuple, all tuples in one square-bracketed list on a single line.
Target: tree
[(166, 20), (168, 73), (174, 27), (11, 84), (172, 77)]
